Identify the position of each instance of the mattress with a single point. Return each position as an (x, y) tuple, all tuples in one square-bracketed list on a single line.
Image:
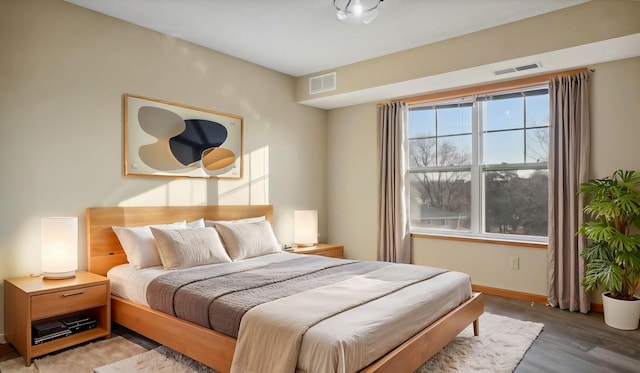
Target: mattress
[(351, 339)]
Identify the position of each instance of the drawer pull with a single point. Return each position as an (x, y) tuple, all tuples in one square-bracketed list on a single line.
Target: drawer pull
[(72, 294)]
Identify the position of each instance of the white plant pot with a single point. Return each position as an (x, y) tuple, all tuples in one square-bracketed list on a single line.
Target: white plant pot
[(621, 314)]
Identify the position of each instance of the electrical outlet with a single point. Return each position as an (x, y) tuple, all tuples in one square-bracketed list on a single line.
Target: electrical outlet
[(514, 262)]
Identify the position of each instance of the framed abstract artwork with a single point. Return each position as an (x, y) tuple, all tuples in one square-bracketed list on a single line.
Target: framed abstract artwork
[(168, 139)]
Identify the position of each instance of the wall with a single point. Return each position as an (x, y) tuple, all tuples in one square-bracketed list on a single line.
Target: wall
[(615, 113), (353, 221), (352, 182), (63, 72)]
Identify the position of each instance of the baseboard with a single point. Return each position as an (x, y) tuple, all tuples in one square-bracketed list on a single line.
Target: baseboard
[(510, 294), (2, 339), (595, 307)]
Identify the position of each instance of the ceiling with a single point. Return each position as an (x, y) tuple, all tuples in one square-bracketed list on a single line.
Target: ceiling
[(301, 37)]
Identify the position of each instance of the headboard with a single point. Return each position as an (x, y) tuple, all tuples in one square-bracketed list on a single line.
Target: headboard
[(104, 250)]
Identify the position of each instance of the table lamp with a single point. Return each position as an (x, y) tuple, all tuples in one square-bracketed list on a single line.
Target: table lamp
[(305, 227), (59, 247)]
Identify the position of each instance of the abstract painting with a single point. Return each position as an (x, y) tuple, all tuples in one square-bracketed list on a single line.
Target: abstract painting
[(167, 139)]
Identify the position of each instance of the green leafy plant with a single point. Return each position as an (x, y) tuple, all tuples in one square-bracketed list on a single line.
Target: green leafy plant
[(613, 252)]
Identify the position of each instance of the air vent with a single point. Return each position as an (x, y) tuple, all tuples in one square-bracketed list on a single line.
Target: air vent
[(518, 68), (505, 71), (322, 83), (527, 67)]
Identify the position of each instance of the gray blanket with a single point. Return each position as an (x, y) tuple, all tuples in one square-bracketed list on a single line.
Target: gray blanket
[(217, 297)]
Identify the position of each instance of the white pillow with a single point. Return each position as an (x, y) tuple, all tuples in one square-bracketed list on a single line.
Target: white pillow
[(140, 246), (248, 239), (185, 248), (212, 223), (196, 223)]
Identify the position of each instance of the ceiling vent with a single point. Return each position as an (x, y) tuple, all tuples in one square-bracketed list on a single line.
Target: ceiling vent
[(322, 83), (518, 68)]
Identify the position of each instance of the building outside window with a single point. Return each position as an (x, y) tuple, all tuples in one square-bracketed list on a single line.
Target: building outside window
[(478, 165)]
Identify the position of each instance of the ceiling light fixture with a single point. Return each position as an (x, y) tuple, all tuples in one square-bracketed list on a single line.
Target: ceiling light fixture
[(357, 11)]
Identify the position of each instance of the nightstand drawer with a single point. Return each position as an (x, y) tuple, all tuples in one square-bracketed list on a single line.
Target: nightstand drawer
[(66, 301)]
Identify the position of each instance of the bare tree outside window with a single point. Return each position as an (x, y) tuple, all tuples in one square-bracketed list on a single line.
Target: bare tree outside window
[(512, 179), (443, 199)]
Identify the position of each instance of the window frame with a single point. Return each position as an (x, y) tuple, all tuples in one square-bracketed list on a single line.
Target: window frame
[(477, 169)]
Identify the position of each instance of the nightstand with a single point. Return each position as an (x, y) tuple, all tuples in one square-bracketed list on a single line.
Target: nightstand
[(32, 299), (323, 249)]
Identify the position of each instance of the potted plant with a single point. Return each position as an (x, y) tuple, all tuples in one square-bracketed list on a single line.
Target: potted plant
[(612, 254)]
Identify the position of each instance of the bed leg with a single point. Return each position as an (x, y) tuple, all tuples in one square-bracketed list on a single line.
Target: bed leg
[(476, 327)]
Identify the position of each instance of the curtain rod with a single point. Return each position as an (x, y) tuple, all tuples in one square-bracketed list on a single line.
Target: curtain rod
[(485, 88)]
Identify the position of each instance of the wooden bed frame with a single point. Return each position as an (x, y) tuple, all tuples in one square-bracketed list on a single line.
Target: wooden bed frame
[(215, 349)]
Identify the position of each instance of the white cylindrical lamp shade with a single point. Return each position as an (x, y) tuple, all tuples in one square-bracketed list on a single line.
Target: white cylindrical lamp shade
[(59, 247), (306, 227)]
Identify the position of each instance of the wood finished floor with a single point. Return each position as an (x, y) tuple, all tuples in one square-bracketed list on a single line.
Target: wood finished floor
[(569, 342)]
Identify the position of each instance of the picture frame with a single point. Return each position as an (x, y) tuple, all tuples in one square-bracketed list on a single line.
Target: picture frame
[(167, 139)]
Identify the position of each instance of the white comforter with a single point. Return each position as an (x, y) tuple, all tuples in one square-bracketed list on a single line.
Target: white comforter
[(344, 342)]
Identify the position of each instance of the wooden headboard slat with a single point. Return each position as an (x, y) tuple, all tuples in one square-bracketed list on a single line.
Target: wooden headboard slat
[(104, 250)]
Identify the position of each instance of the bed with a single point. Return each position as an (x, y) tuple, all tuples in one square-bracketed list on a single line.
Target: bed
[(216, 349)]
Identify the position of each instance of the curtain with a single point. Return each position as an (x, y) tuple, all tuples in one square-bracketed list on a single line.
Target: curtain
[(568, 167), (393, 223)]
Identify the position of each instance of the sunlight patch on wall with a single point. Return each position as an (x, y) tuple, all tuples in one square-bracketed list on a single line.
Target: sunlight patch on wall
[(253, 189), (180, 192)]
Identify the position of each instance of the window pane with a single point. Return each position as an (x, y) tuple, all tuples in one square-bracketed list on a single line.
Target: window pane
[(516, 202), (422, 152), (422, 122), (441, 200), (509, 128), (503, 114), (537, 110), (454, 150), (538, 145), (454, 120), (503, 147)]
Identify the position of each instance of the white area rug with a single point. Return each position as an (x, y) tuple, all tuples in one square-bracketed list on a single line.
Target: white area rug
[(159, 360), (502, 343), (78, 360)]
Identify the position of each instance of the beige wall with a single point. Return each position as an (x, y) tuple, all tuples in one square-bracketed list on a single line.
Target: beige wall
[(616, 111), (352, 180), (615, 93), (615, 114), (63, 72)]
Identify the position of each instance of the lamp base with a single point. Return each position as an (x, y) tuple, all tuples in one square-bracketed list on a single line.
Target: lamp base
[(59, 275), (307, 245)]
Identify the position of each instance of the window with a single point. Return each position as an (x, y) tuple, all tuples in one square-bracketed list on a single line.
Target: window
[(478, 166)]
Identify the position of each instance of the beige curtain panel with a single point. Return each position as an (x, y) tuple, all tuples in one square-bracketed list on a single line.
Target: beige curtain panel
[(393, 222), (569, 143)]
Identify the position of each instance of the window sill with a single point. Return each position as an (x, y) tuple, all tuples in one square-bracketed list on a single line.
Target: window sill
[(535, 245)]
